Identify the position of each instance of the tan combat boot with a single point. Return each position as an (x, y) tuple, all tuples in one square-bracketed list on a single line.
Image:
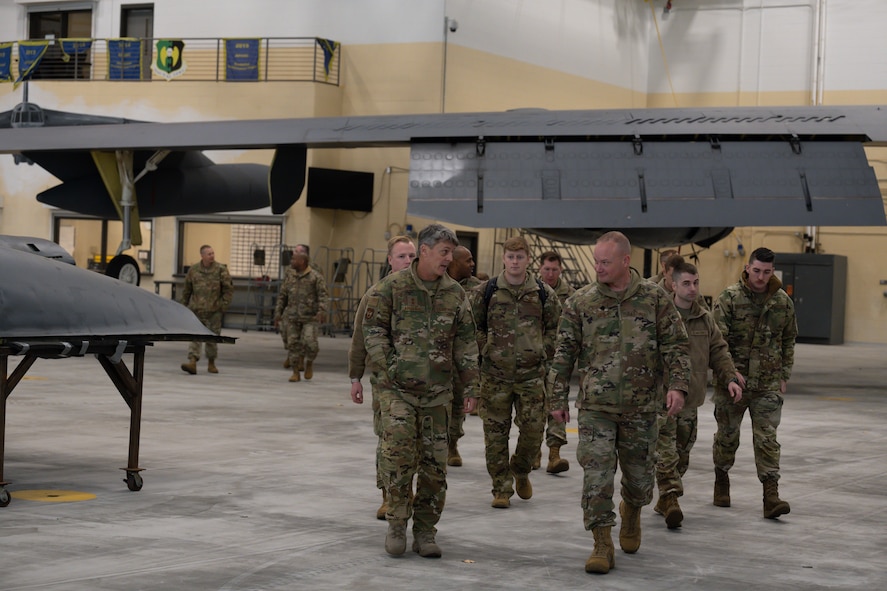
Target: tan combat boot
[(453, 457), (722, 488), (537, 460), (424, 544), (309, 369), (396, 539), (601, 559), (630, 532), (295, 377), (500, 501), (286, 363), (773, 505), (211, 366), (191, 366), (556, 464), (668, 507), (300, 363), (522, 486), (383, 508)]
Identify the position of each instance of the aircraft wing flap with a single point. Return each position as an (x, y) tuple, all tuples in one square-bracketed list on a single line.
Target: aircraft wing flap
[(644, 185)]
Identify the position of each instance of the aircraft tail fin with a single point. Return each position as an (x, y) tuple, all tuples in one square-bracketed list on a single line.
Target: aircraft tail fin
[(287, 177)]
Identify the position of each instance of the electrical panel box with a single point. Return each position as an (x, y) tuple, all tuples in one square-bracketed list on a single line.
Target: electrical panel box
[(817, 283)]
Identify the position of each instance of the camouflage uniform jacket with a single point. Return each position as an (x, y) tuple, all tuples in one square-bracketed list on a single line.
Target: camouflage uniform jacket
[(416, 340), (761, 336), (563, 290), (470, 282), (357, 353), (707, 349), (302, 296), (208, 289), (624, 342), (520, 331)]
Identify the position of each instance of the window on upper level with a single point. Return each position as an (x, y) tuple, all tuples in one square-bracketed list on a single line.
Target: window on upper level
[(61, 24)]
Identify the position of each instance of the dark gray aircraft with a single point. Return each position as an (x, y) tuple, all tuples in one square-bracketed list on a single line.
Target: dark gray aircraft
[(52, 310), (662, 176)]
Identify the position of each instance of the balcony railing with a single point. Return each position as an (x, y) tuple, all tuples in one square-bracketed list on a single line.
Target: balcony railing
[(269, 59)]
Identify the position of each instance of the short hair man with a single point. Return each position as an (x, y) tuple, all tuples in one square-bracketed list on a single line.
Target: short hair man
[(418, 331), (556, 432), (207, 292), (758, 321), (631, 346), (517, 320), (664, 255), (401, 252), (677, 433), (462, 270), (301, 306)]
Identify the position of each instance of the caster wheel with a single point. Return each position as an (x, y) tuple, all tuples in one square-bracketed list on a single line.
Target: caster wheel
[(4, 497), (133, 481)]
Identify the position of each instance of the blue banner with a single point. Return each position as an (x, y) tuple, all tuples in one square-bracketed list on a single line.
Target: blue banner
[(241, 59), (74, 47), (29, 55), (5, 62), (124, 59), (329, 48)]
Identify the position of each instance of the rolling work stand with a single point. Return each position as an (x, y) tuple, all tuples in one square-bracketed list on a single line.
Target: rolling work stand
[(110, 356)]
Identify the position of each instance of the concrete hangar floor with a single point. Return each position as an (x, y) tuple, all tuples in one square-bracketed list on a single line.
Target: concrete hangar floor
[(252, 482)]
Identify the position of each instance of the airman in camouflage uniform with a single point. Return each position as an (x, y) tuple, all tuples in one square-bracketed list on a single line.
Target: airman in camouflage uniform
[(555, 432), (207, 292), (677, 434), (663, 262), (517, 327), (758, 321), (418, 332), (306, 250), (401, 252), (301, 305), (462, 270), (630, 345)]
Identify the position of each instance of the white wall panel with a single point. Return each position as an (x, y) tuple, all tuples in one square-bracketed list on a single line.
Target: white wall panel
[(603, 40), (856, 45)]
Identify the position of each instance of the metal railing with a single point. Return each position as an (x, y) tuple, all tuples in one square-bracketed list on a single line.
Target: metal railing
[(277, 59)]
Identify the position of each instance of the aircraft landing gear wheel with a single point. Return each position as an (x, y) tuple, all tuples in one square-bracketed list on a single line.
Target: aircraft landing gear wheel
[(125, 268), (133, 481), (4, 497)]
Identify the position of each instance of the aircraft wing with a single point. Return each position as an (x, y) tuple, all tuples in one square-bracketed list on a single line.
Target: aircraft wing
[(63, 310), (631, 168)]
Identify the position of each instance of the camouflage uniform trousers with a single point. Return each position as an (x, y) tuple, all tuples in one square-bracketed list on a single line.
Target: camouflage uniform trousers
[(677, 436), (377, 431), (765, 410), (555, 433), (497, 399), (213, 321), (605, 438), (301, 340), (414, 441), (457, 423)]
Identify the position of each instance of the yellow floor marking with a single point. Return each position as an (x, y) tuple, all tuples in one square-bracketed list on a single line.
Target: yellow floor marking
[(571, 430), (34, 378), (52, 496)]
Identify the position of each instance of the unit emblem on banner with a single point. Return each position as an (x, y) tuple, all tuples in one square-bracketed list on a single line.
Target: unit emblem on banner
[(170, 62)]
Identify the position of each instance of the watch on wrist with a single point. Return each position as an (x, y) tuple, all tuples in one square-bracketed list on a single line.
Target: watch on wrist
[(355, 380)]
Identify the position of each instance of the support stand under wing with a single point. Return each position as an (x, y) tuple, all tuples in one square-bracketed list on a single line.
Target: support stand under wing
[(129, 384)]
